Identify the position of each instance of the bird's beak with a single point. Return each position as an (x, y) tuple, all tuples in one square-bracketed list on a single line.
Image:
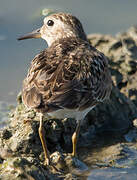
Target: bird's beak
[(34, 34)]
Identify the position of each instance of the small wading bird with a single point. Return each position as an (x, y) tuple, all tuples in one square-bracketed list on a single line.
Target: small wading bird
[(67, 79)]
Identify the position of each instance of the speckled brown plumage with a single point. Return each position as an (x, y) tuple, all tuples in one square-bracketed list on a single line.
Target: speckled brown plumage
[(69, 74), (68, 78)]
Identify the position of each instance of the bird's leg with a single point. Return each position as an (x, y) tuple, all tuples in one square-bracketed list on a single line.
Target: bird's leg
[(75, 138), (43, 141)]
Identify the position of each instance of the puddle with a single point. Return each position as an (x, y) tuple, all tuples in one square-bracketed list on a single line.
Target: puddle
[(114, 174), (111, 158)]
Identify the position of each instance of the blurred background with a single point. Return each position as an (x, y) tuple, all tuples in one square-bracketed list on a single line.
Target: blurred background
[(18, 17)]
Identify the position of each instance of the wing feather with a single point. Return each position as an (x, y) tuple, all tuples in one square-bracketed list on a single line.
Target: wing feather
[(77, 79)]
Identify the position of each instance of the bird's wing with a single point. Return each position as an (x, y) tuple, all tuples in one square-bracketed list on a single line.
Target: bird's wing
[(50, 85), (87, 82), (53, 83)]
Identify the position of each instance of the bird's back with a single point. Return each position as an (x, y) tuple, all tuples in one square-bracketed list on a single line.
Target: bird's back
[(70, 74)]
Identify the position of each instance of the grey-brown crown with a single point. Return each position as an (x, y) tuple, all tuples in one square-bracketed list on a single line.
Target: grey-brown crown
[(73, 22)]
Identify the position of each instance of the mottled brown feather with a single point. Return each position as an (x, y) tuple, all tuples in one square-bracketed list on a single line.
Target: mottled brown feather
[(69, 74)]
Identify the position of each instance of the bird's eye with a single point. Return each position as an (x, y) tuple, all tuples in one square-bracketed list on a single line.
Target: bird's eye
[(50, 23)]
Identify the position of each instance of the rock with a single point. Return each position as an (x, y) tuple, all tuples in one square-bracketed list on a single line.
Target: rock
[(75, 165), (135, 122), (21, 153), (24, 168), (122, 51)]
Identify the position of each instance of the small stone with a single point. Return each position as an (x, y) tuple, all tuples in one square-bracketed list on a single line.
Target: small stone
[(58, 160), (135, 122), (5, 152), (70, 177)]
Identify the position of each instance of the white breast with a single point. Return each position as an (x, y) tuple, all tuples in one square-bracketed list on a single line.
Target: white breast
[(68, 113)]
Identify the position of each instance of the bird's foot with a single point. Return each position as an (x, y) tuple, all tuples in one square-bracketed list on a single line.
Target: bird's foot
[(47, 162), (74, 154)]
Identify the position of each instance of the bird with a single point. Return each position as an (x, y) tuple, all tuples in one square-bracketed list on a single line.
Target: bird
[(68, 78)]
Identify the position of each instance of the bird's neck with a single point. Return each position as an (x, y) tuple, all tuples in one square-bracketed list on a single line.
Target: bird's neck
[(65, 37)]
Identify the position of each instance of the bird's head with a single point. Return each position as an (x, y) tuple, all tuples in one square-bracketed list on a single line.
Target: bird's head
[(58, 26)]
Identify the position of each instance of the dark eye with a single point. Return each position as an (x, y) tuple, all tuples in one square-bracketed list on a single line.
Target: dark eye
[(50, 23)]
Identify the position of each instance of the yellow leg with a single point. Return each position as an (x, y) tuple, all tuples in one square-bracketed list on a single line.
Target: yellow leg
[(43, 141), (75, 139)]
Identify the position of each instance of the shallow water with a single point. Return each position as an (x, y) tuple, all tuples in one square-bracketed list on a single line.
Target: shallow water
[(111, 159), (18, 17), (113, 174), (124, 169)]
